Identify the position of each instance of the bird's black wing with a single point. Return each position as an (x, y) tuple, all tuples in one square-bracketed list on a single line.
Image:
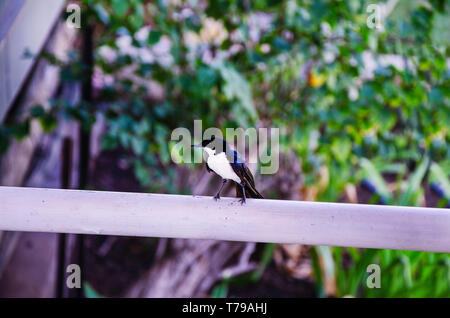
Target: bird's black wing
[(249, 184), (243, 172), (207, 167)]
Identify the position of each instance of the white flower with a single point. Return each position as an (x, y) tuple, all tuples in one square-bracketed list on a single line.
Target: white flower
[(186, 13), (261, 66), (288, 35), (125, 45), (100, 79), (265, 48), (328, 57), (161, 51), (146, 55), (107, 53), (213, 31), (142, 34), (165, 60), (235, 48), (258, 23), (329, 53), (237, 36), (191, 39), (207, 57), (163, 46), (353, 93), (326, 29), (108, 79), (123, 41)]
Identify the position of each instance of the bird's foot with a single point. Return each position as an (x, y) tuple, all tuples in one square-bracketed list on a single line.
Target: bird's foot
[(216, 197), (242, 201)]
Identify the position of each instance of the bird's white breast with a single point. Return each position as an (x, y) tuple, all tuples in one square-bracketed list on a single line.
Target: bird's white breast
[(220, 165)]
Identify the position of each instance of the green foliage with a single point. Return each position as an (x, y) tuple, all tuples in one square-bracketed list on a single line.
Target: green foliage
[(265, 260), (90, 292), (220, 291), (438, 179), (403, 273)]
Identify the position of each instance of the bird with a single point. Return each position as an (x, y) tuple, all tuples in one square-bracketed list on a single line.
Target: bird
[(229, 165)]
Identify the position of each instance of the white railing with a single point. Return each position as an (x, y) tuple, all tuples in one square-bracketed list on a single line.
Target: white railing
[(182, 216)]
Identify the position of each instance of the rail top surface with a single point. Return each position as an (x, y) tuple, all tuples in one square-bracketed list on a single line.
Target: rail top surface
[(184, 216)]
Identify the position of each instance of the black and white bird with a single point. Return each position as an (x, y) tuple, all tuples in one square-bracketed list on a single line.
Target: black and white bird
[(229, 165)]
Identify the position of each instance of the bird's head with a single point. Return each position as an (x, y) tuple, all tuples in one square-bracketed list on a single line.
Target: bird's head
[(213, 145)]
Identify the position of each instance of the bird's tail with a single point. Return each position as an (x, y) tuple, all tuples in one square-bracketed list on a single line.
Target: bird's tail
[(250, 192)]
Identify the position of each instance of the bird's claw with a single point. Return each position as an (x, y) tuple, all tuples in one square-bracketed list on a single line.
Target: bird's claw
[(242, 201), (216, 197)]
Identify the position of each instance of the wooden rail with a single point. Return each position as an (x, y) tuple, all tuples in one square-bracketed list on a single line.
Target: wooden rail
[(182, 216)]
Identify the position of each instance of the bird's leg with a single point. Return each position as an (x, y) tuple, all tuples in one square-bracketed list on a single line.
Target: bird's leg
[(217, 196), (243, 194)]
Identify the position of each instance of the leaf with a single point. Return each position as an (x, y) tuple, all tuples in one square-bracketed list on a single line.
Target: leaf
[(108, 142), (414, 182), (372, 174), (90, 292), (139, 145), (48, 122), (154, 37), (220, 291), (142, 173), (21, 130), (328, 268), (318, 273), (281, 44), (4, 139), (385, 119), (120, 6), (266, 258), (142, 128), (439, 179), (406, 270), (161, 136), (341, 148), (236, 86), (37, 111), (137, 18)]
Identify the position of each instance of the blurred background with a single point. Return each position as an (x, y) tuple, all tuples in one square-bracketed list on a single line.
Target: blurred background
[(361, 96)]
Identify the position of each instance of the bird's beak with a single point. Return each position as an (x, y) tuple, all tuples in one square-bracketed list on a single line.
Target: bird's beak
[(196, 146)]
